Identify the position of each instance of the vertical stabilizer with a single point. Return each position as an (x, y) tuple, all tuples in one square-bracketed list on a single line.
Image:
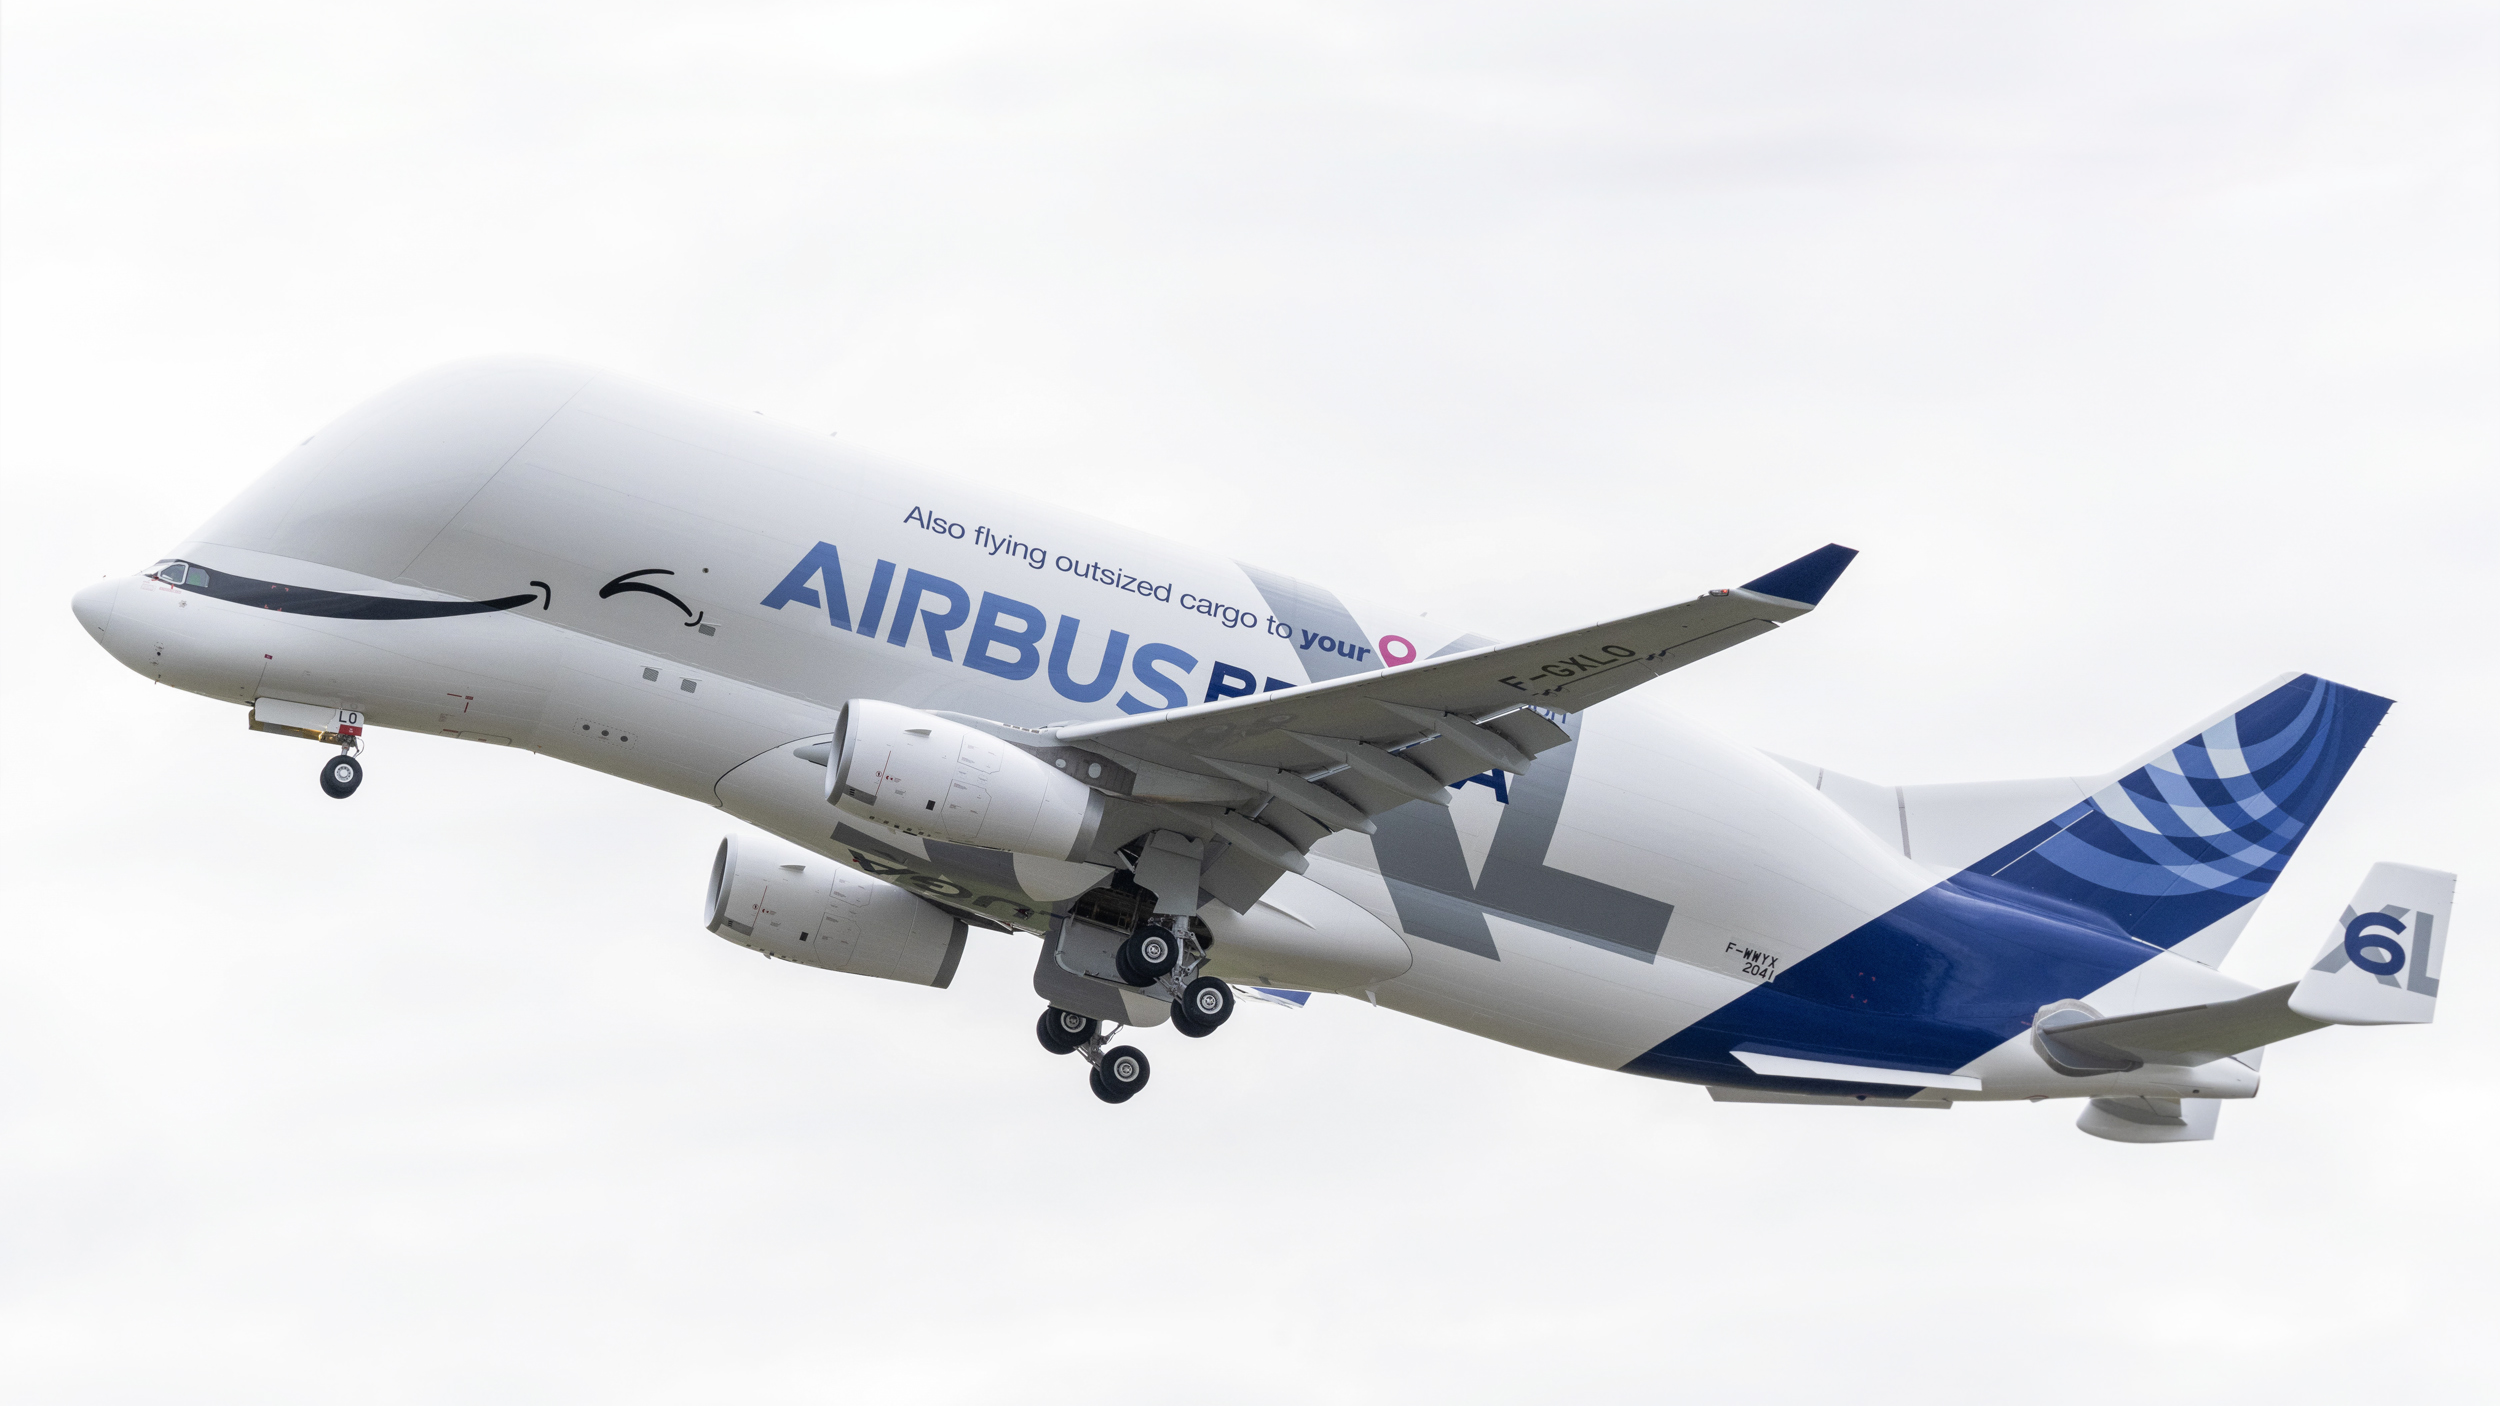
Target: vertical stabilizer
[(2175, 849), (2199, 829)]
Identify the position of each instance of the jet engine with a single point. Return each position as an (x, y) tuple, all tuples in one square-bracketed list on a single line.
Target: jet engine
[(801, 907), (929, 776)]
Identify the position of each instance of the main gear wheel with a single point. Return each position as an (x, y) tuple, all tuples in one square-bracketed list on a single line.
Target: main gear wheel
[(1204, 1004), (1120, 1073)]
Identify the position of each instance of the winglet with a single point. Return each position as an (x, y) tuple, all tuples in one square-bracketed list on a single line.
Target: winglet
[(1806, 579)]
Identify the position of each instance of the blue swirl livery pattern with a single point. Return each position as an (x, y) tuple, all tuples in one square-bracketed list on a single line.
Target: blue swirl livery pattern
[(2146, 862), (2180, 842)]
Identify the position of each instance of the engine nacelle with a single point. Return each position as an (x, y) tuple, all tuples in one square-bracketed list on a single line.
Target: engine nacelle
[(926, 776), (801, 907)]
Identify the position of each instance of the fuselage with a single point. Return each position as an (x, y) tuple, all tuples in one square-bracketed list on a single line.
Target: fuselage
[(538, 556)]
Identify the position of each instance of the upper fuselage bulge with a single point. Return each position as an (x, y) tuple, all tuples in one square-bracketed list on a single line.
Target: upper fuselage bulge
[(535, 554)]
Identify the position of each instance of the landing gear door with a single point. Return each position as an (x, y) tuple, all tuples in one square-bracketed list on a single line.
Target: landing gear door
[(1085, 995), (313, 721)]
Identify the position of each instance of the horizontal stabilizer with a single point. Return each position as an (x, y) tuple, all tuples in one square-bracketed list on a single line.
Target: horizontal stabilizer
[(2381, 962), (2188, 1035), (2380, 967)]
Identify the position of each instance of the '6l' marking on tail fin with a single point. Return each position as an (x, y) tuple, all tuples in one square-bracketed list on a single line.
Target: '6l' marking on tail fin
[(2367, 934)]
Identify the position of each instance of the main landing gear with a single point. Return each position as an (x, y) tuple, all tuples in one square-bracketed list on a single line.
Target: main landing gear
[(1066, 1032), (1204, 1004), (1119, 1072), (1148, 956), (1157, 960)]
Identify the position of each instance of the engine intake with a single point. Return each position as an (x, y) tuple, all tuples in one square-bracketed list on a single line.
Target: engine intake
[(932, 777), (801, 907)]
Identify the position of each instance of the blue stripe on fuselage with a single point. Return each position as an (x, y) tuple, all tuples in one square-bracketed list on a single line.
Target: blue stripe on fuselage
[(1932, 985)]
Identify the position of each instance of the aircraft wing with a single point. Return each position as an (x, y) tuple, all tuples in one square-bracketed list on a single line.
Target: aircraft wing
[(1274, 773)]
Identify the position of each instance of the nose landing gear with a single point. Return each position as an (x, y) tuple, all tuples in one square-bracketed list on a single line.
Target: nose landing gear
[(341, 775)]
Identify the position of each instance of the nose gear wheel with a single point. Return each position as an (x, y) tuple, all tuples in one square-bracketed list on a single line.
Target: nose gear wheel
[(340, 776)]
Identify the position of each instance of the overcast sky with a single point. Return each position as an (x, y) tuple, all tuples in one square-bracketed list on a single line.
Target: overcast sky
[(2145, 351)]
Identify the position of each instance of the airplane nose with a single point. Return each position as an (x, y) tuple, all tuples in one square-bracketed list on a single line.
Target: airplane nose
[(93, 605)]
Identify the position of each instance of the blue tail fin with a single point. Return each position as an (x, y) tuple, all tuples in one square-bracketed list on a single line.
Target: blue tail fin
[(2199, 829)]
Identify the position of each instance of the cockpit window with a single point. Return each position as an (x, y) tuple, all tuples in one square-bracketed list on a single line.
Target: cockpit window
[(196, 578), (169, 572)]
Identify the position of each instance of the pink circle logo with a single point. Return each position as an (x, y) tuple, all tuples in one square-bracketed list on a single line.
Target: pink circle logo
[(1396, 650)]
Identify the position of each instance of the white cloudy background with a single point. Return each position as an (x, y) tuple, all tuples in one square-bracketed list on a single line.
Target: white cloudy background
[(2145, 350)]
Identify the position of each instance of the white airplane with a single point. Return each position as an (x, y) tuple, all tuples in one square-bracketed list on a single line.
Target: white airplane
[(1184, 775)]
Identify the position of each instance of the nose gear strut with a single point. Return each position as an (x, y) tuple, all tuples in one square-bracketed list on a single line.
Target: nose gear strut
[(342, 774)]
